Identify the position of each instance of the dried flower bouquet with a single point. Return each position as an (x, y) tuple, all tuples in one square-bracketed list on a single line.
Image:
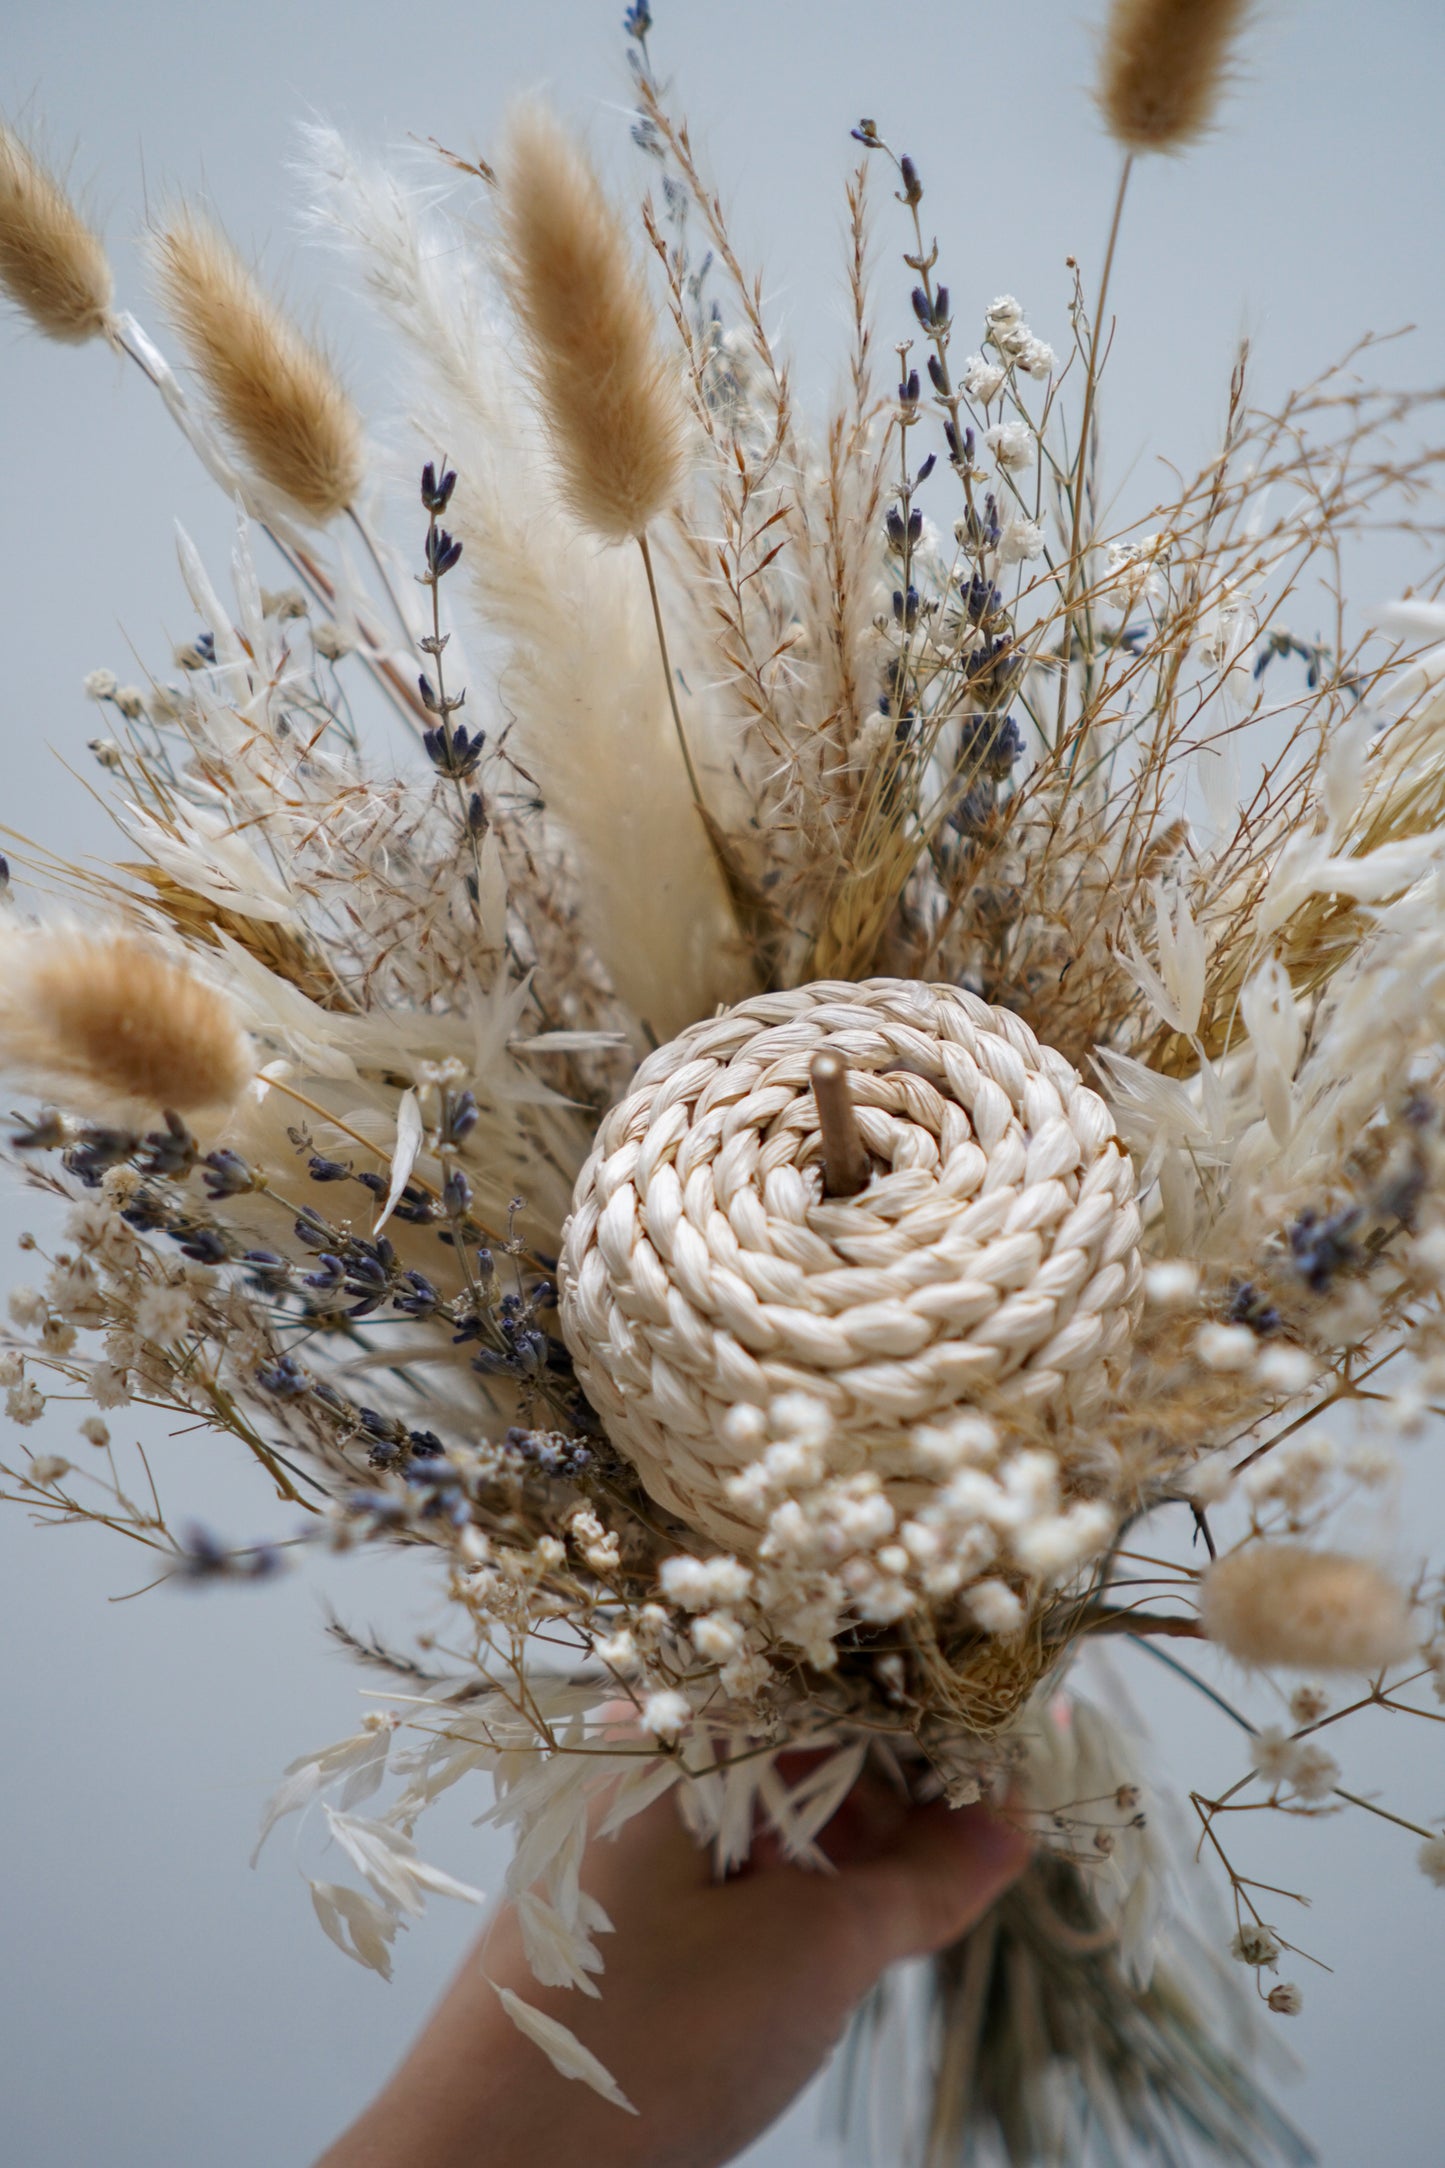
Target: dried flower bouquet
[(889, 1066)]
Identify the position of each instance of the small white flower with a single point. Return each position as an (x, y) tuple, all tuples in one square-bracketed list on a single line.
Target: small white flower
[(1431, 1860), (618, 1652), (1313, 1773), (665, 1712), (163, 1312), (995, 1607), (1286, 1999), (1054, 1545), (130, 700), (1307, 1704), (1225, 1347), (964, 1440), (107, 1386), (48, 1468), (73, 1289), (1210, 1483), (99, 684), (885, 1601), (1003, 313), (717, 1637), (1172, 1284), (794, 1464), (746, 1677), (1133, 573), (1273, 1755), (700, 1584), (1285, 1369), (983, 380), (1255, 1945), (27, 1308), (1012, 444), (12, 1370), (95, 1432), (1038, 359), (474, 1547), (1021, 541), (283, 602), (801, 1416), (329, 640), (25, 1403), (745, 1429)]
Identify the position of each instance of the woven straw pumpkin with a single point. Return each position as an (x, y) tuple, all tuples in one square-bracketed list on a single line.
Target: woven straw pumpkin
[(990, 1261)]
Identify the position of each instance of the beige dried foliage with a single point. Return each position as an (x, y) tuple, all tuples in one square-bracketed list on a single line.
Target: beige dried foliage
[(611, 401), (110, 1016), (1282, 1603), (53, 267), (277, 395), (1164, 67)]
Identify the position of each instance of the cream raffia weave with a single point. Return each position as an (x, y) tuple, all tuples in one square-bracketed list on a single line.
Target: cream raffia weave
[(992, 1258)]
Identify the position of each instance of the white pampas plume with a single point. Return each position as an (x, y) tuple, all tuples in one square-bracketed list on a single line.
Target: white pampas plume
[(579, 675), (117, 1022), (1281, 1603)]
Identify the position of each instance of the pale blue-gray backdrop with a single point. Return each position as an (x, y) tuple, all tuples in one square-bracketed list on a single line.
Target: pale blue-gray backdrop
[(159, 2004)]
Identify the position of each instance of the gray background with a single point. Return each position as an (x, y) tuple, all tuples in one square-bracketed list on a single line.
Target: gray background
[(158, 2003)]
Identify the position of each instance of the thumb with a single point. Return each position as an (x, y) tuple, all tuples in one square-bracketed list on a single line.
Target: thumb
[(948, 1866)]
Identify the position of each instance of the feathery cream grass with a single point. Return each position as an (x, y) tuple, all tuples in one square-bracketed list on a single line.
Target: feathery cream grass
[(52, 265), (1164, 67), (111, 1013), (1280, 1603), (277, 394), (611, 402)]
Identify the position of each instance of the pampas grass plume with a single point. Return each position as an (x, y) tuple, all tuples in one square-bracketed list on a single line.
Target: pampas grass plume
[(1281, 1603), (612, 404), (277, 395), (108, 1013), (52, 266), (1163, 69)]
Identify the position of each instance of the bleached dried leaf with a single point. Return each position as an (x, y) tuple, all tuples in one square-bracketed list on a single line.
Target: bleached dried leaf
[(403, 1159), (360, 1928), (563, 2050), (388, 1860)]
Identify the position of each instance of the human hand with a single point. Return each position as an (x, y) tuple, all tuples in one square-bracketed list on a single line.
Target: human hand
[(719, 2002)]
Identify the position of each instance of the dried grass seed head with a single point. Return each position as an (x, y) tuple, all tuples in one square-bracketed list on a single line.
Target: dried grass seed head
[(110, 1014), (1164, 67), (1281, 1603), (53, 266), (611, 400), (277, 395)]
